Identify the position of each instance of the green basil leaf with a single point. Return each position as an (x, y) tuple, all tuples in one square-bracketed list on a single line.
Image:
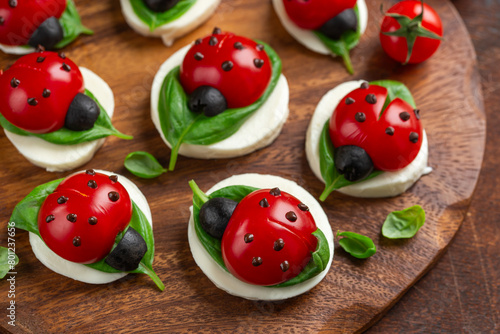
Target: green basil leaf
[(102, 128), (8, 260), (153, 19), (404, 223), (333, 180), (180, 125), (395, 89), (357, 245), (318, 263), (143, 164), (25, 216), (72, 25), (347, 42)]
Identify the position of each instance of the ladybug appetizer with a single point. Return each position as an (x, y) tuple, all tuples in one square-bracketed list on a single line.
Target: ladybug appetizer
[(93, 226), (27, 24), (168, 19), (329, 27), (260, 237), (55, 113), (411, 32), (367, 140), (223, 96)]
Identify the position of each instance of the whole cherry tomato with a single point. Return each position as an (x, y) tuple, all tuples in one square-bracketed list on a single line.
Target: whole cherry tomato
[(312, 14), (411, 32)]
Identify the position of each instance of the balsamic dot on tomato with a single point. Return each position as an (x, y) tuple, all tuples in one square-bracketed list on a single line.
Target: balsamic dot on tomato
[(46, 93), (40, 49), (360, 117), (404, 116), (49, 218), (248, 238), (2, 20), (258, 62), (40, 59), (303, 207), (15, 83), (238, 46), (113, 178), (62, 55), (414, 137), (92, 184), (198, 56), (264, 203), (198, 41), (371, 98), (90, 172), (285, 266), (66, 67), (72, 217), (62, 200), (13, 3), (389, 130), (216, 31), (32, 101), (212, 41), (275, 191), (365, 85), (259, 47), (227, 65), (92, 220), (113, 196), (256, 261), (349, 101), (77, 242), (291, 216), (417, 113), (278, 245)]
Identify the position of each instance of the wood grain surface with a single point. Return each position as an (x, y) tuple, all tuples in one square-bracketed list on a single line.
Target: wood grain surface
[(356, 293)]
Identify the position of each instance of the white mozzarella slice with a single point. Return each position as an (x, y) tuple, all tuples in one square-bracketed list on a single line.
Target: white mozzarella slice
[(260, 129), (307, 37), (59, 158), (78, 271), (387, 184), (16, 50), (227, 282), (195, 16)]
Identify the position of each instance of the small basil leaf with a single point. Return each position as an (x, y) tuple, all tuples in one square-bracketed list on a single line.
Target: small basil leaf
[(395, 89), (153, 19), (143, 164), (180, 125), (72, 25), (333, 180), (8, 260), (357, 245), (347, 42), (404, 223)]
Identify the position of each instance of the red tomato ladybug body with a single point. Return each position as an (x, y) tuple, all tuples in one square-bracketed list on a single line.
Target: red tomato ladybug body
[(237, 66), (312, 14), (80, 220), (268, 239), (36, 92), (391, 137), (20, 18)]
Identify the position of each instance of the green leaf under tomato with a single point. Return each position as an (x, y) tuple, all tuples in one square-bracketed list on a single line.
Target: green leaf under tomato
[(5, 266), (395, 89), (180, 125), (357, 245), (72, 25), (404, 223), (153, 19), (102, 128), (143, 164)]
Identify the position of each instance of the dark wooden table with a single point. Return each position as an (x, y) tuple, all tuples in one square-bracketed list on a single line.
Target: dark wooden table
[(461, 294)]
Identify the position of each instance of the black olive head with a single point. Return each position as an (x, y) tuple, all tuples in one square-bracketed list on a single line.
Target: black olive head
[(335, 27), (129, 252), (215, 214), (82, 113), (48, 34), (353, 162), (207, 100), (160, 6)]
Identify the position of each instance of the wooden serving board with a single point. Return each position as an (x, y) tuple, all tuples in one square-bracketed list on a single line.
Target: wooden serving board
[(355, 293)]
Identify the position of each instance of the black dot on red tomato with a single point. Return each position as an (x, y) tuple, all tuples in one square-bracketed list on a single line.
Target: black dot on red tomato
[(2, 20), (256, 261), (258, 62), (66, 67), (62, 55), (49, 218), (365, 85), (113, 178), (40, 59), (371, 98), (198, 56), (291, 216), (216, 31), (278, 245), (248, 238), (360, 117), (32, 101), (77, 242), (349, 101), (404, 116), (92, 184), (264, 203), (46, 93), (227, 65), (212, 41), (259, 47), (72, 217), (284, 266), (275, 191), (414, 137), (92, 220), (90, 172), (238, 46), (113, 196), (417, 113), (62, 200), (197, 42), (303, 207), (389, 130), (13, 3), (14, 83)]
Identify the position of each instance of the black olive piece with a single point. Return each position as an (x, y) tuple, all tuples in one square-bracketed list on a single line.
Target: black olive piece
[(215, 214), (82, 113), (129, 252), (48, 34), (160, 6), (207, 100), (353, 162), (335, 27)]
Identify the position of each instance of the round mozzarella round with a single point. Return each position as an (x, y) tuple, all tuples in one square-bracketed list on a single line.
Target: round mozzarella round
[(387, 184), (16, 49), (307, 37), (79, 271), (259, 130), (199, 12), (59, 158), (227, 282)]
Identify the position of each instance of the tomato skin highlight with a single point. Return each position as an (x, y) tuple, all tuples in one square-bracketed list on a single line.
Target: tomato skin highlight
[(21, 21), (424, 47), (268, 225), (98, 218), (312, 14), (52, 87), (234, 65)]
